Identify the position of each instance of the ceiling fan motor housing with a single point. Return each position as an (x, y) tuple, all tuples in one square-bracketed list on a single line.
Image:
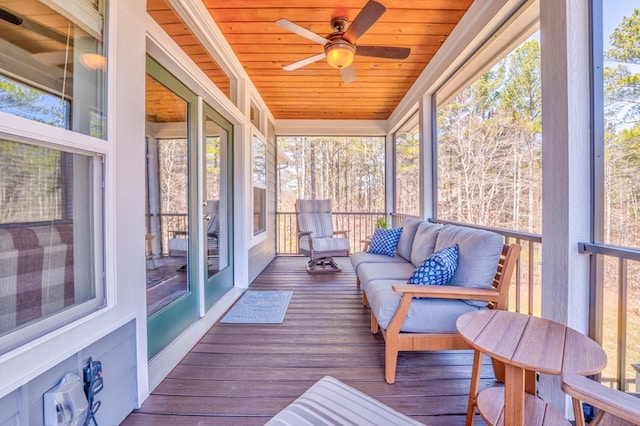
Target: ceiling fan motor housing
[(339, 24)]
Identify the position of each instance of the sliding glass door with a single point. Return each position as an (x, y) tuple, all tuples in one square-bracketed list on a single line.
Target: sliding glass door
[(216, 187), (189, 220), (171, 148)]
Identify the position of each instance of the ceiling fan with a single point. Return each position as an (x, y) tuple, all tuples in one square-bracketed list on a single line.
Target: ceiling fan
[(340, 47)]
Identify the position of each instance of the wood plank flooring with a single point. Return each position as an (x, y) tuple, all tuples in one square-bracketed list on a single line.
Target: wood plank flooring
[(241, 374)]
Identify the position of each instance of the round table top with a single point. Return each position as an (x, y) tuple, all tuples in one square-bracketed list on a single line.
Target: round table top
[(530, 342)]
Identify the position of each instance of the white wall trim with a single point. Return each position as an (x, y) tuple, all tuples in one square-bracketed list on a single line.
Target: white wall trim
[(331, 127)]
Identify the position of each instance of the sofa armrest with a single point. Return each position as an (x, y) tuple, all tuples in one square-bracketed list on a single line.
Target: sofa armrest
[(447, 292), (409, 291)]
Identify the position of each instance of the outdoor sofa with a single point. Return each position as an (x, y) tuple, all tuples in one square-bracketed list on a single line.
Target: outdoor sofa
[(415, 317)]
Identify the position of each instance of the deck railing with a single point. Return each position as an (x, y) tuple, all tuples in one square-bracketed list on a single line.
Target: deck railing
[(525, 294), (165, 225), (359, 224), (614, 319)]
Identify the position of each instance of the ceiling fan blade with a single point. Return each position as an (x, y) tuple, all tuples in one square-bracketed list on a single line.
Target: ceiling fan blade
[(348, 74), (369, 14), (301, 31), (383, 51), (303, 62)]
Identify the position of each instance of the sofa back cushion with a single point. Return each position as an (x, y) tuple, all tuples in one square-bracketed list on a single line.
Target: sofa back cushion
[(409, 227), (424, 243), (478, 254)]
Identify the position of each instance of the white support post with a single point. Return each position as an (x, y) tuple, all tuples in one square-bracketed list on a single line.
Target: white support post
[(566, 171)]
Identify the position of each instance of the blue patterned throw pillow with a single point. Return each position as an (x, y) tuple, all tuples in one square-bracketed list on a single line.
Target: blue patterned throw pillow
[(384, 241), (437, 269)]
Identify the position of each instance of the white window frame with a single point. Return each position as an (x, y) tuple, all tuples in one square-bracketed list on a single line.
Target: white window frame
[(26, 131)]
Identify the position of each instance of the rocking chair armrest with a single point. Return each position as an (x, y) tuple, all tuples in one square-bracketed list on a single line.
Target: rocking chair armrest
[(447, 292), (609, 400), (341, 232), (308, 234)]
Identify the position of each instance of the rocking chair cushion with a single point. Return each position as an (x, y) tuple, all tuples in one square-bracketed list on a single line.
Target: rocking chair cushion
[(326, 244), (437, 269), (385, 241)]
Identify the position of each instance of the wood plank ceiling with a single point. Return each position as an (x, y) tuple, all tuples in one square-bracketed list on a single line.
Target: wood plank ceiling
[(317, 91)]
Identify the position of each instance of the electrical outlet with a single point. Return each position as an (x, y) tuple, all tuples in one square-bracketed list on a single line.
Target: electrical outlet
[(65, 404)]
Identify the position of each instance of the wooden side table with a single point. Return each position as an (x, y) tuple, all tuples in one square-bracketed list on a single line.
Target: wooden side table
[(526, 345)]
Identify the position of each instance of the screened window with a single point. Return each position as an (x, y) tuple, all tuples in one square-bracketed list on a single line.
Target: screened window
[(621, 94), (48, 221), (407, 168), (53, 64), (489, 146)]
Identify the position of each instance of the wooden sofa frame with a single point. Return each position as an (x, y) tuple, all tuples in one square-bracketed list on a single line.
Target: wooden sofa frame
[(396, 340)]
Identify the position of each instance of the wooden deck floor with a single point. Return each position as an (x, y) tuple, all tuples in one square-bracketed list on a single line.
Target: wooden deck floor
[(244, 374)]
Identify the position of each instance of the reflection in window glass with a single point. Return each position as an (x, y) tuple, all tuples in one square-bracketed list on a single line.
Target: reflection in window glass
[(407, 168), (46, 239), (259, 186), (53, 66), (165, 14), (168, 232), (259, 162), (489, 146)]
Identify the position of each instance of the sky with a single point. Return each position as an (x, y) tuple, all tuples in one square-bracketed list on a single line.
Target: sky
[(613, 11)]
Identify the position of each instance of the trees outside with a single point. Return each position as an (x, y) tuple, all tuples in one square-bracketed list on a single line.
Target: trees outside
[(32, 183), (489, 146), (347, 170), (407, 170), (622, 133)]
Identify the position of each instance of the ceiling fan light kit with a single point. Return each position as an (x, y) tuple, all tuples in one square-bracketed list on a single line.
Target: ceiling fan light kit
[(340, 53), (339, 47)]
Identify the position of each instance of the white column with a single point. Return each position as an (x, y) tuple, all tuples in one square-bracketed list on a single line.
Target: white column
[(566, 170), (427, 171)]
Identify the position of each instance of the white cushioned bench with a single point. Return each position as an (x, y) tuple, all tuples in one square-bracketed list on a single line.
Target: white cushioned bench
[(331, 402)]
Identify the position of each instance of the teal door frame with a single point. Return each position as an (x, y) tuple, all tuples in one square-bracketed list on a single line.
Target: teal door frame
[(169, 322)]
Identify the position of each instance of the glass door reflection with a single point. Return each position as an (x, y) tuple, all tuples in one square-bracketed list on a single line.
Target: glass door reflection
[(217, 204)]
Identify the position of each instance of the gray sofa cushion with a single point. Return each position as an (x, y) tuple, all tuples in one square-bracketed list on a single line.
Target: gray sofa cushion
[(384, 271), (478, 254), (409, 227), (361, 257), (425, 315), (424, 243)]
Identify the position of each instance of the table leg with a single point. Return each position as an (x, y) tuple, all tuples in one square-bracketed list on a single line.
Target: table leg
[(530, 382), (514, 388), (473, 388)]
